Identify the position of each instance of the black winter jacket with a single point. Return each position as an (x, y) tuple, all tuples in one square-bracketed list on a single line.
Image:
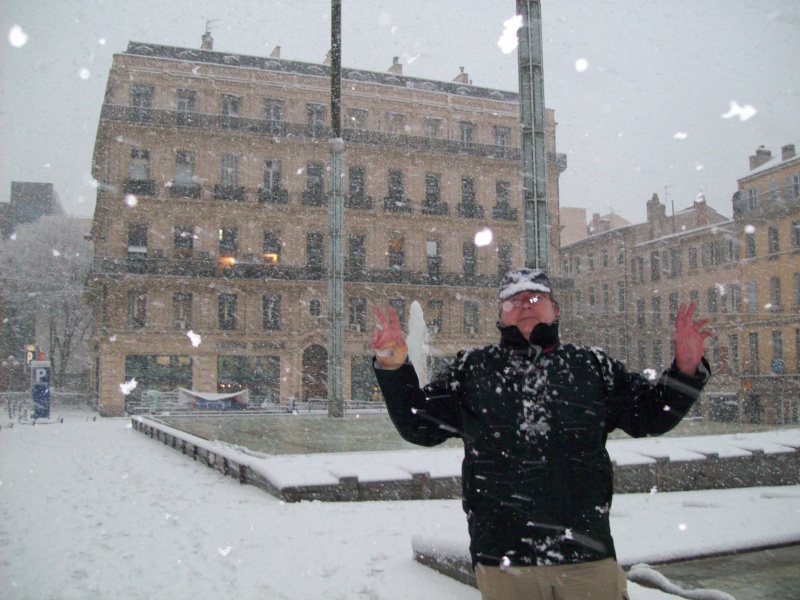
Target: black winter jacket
[(537, 480)]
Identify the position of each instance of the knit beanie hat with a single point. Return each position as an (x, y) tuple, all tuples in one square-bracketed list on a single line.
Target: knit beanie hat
[(524, 280)]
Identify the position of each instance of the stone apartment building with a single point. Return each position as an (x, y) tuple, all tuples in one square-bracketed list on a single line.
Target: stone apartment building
[(211, 218), (629, 282)]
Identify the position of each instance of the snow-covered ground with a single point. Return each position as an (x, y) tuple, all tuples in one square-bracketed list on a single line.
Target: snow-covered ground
[(93, 509)]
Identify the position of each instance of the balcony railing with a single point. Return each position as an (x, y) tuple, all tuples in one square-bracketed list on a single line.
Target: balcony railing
[(229, 192), (217, 122), (470, 211), (273, 196), (209, 267), (397, 204), (139, 187), (313, 198), (359, 201), (501, 212), (191, 190), (435, 208)]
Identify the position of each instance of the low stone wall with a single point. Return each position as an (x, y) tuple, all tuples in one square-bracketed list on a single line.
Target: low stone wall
[(758, 468)]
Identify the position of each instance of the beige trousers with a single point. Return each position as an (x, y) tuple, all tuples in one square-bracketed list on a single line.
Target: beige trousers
[(600, 580)]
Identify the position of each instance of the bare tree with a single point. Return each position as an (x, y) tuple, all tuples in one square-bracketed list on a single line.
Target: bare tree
[(44, 266)]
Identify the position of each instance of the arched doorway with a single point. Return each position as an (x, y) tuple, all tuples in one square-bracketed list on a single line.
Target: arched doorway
[(315, 373)]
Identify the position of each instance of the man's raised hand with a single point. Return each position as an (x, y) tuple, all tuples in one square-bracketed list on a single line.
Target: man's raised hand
[(387, 340), (688, 339)]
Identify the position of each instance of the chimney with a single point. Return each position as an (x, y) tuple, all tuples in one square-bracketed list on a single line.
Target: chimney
[(327, 60), (276, 53), (761, 156), (462, 77), (396, 67), (656, 216), (208, 41), (787, 152)]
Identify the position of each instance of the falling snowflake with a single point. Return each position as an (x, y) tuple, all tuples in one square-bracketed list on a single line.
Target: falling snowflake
[(127, 387), (743, 112)]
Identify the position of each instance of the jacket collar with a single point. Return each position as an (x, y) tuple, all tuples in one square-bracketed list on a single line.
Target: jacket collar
[(543, 337)]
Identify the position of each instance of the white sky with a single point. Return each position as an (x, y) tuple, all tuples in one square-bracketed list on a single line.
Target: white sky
[(95, 510), (644, 114)]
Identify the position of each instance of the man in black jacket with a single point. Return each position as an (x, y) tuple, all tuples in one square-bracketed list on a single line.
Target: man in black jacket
[(534, 415)]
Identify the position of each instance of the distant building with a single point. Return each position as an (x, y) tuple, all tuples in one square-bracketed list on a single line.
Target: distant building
[(211, 217), (29, 201), (629, 282)]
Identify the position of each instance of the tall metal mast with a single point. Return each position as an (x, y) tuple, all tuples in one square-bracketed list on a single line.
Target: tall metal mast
[(534, 152), (336, 225)]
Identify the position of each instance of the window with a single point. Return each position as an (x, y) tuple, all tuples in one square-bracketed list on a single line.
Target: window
[(399, 306), (750, 244), (227, 311), (777, 349), (314, 194), (315, 114), (623, 345), (578, 303), (186, 107), (137, 240), (142, 103), (183, 241), (712, 300), (772, 237), (591, 300), (467, 133), (229, 170), (795, 290), (639, 270), (675, 262), (315, 307), (469, 259), (752, 297), (139, 167), (755, 367), (640, 312), (228, 246), (433, 258), (752, 199), (502, 136), (357, 314), (396, 123), (694, 296), (673, 306), (137, 309), (397, 252), (396, 185), (795, 234), (655, 266), (314, 250), (471, 318), (182, 311), (184, 168), (357, 187), (621, 297), (658, 359), (435, 314), (271, 312), (504, 263), (577, 265), (735, 293), (692, 257), (590, 258), (273, 115), (642, 354), (230, 109), (272, 247), (775, 293), (733, 363), (605, 259), (433, 127), (656, 310), (357, 253), (606, 301), (503, 194), (272, 174), (432, 190), (356, 119)]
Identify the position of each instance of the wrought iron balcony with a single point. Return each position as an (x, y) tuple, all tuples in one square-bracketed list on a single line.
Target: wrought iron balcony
[(359, 201), (470, 210), (191, 190), (502, 212), (313, 198), (397, 204), (139, 187), (229, 192), (274, 196)]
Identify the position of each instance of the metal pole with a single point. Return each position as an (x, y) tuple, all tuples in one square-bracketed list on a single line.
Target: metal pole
[(336, 226), (534, 153)]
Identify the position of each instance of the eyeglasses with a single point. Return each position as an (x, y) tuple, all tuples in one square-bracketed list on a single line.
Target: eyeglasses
[(532, 299)]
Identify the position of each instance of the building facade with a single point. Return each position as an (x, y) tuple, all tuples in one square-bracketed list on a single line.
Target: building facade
[(211, 232), (630, 281)]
